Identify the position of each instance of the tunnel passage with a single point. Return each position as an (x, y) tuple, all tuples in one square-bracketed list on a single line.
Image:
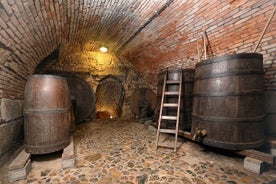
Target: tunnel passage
[(109, 97), (144, 36)]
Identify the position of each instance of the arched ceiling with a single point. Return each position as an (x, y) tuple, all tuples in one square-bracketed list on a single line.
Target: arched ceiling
[(32, 29), (148, 33)]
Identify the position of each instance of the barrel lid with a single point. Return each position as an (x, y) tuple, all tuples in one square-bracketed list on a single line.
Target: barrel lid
[(139, 96), (230, 57), (46, 76)]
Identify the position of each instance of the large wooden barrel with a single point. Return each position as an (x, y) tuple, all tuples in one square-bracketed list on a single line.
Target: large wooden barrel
[(270, 109), (185, 120), (83, 98), (229, 101), (47, 114)]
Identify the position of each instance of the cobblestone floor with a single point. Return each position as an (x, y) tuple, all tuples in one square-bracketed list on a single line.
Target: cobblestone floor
[(122, 151)]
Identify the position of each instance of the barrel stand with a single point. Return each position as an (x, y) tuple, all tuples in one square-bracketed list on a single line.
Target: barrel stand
[(21, 165), (254, 161)]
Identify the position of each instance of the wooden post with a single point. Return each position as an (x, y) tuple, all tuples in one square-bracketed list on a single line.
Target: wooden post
[(197, 48), (204, 44), (266, 26)]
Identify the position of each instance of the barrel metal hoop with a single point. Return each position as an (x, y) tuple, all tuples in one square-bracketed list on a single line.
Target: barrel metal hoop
[(57, 144), (230, 57), (241, 93), (233, 73), (233, 145), (46, 111), (229, 119), (47, 76)]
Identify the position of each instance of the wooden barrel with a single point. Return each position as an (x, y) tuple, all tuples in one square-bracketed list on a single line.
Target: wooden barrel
[(47, 120), (186, 97), (142, 102), (270, 109), (83, 98), (228, 101)]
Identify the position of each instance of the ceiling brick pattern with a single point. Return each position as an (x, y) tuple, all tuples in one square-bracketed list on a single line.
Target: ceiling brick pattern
[(151, 34)]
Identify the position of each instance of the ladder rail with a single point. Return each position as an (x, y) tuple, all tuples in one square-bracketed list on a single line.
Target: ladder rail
[(178, 110), (161, 110)]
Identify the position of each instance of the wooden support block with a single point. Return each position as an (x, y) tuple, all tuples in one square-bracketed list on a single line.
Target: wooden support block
[(185, 134), (271, 146), (20, 167), (68, 156), (273, 152), (20, 161), (268, 158), (254, 165)]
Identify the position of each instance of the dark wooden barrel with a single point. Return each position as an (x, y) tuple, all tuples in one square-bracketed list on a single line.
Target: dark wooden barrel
[(186, 97), (142, 102), (47, 120), (83, 98), (270, 109), (228, 101), (72, 119)]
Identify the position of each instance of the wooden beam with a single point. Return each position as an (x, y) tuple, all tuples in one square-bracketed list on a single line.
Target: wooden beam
[(268, 158), (266, 26)]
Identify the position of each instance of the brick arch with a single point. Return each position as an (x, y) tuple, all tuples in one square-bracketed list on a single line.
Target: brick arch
[(31, 30)]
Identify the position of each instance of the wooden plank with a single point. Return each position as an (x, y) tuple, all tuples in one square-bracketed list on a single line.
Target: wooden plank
[(185, 134), (171, 93), (171, 131), (68, 152), (170, 105), (20, 161), (169, 117), (165, 145), (268, 158), (172, 82)]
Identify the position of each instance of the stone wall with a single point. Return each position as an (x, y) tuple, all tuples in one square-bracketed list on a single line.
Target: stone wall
[(231, 26), (94, 66), (11, 126)]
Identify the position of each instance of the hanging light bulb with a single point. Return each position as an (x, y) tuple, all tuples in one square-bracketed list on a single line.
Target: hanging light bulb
[(103, 49)]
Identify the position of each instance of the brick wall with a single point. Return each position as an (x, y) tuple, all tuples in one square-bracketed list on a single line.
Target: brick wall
[(31, 30), (231, 27)]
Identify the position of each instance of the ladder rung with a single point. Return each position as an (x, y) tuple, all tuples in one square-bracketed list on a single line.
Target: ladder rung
[(171, 93), (165, 145), (169, 117), (172, 81), (170, 131), (170, 105)]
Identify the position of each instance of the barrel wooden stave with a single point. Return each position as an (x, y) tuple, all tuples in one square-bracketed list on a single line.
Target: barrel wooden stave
[(83, 98), (270, 109), (46, 114), (228, 101)]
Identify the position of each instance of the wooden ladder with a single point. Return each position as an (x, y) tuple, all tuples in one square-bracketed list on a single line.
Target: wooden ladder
[(169, 105)]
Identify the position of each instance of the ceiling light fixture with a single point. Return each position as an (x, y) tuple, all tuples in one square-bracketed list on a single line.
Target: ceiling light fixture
[(103, 49)]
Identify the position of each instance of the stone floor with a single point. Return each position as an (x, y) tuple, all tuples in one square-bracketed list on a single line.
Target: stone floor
[(122, 151)]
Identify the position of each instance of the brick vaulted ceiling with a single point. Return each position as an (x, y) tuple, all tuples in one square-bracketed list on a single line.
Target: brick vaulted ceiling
[(150, 34)]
